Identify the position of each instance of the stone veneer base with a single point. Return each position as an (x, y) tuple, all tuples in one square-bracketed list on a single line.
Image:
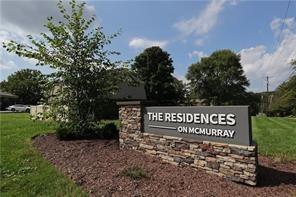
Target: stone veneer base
[(234, 162)]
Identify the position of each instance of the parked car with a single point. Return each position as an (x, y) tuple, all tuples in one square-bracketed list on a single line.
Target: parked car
[(19, 108)]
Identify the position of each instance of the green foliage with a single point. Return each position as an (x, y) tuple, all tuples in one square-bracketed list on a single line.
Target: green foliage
[(65, 131), (180, 91), (84, 73), (110, 131), (293, 63), (23, 171), (253, 100), (101, 130), (27, 84), (284, 98), (219, 78), (134, 172), (106, 110), (154, 67)]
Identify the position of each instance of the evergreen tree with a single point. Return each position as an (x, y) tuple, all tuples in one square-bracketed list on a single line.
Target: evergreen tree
[(154, 67)]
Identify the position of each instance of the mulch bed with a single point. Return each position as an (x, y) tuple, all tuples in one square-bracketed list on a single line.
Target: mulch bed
[(96, 165)]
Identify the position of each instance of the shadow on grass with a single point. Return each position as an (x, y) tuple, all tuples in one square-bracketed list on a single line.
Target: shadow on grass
[(270, 177)]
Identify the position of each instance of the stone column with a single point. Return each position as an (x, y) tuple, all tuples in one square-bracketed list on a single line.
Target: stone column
[(131, 123)]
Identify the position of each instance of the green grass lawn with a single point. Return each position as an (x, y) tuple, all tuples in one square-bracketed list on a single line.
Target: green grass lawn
[(276, 137), (23, 172)]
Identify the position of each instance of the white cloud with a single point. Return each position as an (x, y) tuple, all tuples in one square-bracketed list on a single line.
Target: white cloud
[(22, 17), (203, 23), (8, 65), (181, 77), (198, 54), (199, 42), (258, 62), (5, 35), (142, 43), (277, 23), (233, 2), (251, 55), (28, 16)]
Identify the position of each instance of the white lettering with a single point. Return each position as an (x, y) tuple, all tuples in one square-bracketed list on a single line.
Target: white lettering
[(173, 117), (205, 118), (149, 115), (230, 119), (160, 116), (231, 133), (197, 118), (189, 118), (212, 116), (222, 119), (167, 117), (180, 129), (179, 117)]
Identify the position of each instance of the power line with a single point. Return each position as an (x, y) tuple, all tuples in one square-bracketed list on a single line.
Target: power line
[(278, 41), (284, 18)]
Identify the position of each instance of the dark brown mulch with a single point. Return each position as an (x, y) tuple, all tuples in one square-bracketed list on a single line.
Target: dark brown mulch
[(96, 165)]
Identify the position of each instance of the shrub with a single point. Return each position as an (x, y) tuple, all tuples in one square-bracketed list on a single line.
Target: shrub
[(64, 131), (102, 130), (134, 172), (110, 131)]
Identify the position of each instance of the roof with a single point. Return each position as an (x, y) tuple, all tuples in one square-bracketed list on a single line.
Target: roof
[(7, 95), (127, 92)]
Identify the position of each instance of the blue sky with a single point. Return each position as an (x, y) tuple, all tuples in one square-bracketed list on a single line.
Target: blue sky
[(188, 30)]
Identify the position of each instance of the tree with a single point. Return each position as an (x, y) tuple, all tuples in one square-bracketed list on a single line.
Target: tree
[(154, 67), (253, 100), (293, 63), (284, 97), (27, 84), (219, 78), (77, 51), (180, 91)]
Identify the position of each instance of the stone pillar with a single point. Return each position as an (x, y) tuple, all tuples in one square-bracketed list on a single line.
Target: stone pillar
[(131, 123)]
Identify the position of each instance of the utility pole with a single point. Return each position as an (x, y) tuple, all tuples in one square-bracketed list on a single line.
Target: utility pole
[(268, 97), (267, 84), (264, 97)]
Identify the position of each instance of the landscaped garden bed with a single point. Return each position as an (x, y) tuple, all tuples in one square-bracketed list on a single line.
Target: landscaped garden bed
[(102, 169)]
